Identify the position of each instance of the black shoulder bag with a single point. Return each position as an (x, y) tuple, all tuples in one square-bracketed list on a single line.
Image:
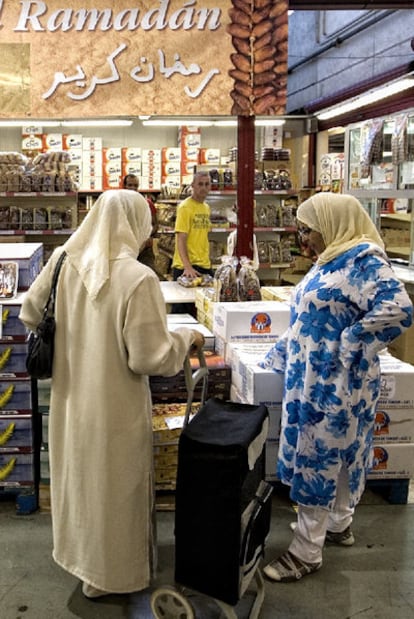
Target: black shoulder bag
[(39, 360)]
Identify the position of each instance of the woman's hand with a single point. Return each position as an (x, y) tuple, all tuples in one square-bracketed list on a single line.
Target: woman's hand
[(198, 342)]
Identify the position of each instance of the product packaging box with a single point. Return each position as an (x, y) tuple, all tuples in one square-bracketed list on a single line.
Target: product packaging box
[(110, 155), (276, 293), (76, 156), (72, 140), (15, 395), (12, 326), (170, 154), (210, 156), (92, 183), (397, 379), (92, 158), (32, 142), (151, 155), (92, 144), (271, 454), (131, 167), (53, 141), (111, 181), (16, 433), (392, 460), (131, 154), (110, 168), (394, 425), (190, 154), (12, 357), (17, 469), (171, 180), (255, 384), (250, 321), (29, 257), (170, 168), (208, 335)]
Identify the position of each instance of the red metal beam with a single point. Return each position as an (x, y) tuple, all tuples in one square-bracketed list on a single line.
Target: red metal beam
[(321, 5), (245, 185)]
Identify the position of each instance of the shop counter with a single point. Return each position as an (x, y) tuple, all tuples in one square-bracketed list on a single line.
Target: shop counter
[(174, 293)]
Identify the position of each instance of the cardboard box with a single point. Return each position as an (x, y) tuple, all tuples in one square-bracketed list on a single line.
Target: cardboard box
[(131, 168), (171, 180), (13, 357), (271, 455), (110, 168), (190, 141), (32, 142), (92, 158), (210, 156), (190, 153), (170, 154), (151, 155), (12, 326), (253, 321), (76, 155), (132, 154), (29, 257), (208, 335), (91, 183), (392, 460), (53, 141), (17, 469), (92, 144), (255, 384), (16, 433), (72, 140), (15, 394), (111, 155), (276, 293), (394, 425), (170, 168), (111, 181), (397, 379)]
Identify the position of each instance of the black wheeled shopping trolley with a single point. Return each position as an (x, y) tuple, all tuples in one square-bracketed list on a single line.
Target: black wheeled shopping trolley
[(222, 507)]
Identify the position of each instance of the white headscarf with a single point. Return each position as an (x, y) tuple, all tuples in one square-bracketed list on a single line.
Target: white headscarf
[(116, 226), (341, 220)]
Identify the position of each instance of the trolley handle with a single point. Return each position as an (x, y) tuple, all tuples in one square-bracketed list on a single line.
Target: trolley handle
[(192, 379)]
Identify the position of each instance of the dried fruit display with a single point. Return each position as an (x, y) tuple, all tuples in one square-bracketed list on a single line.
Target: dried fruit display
[(259, 33)]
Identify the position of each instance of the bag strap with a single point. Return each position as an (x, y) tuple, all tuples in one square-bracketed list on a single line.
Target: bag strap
[(50, 305)]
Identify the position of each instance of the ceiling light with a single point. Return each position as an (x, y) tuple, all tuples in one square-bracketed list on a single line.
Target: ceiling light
[(97, 123), (28, 123), (270, 122), (225, 123), (363, 100), (189, 122)]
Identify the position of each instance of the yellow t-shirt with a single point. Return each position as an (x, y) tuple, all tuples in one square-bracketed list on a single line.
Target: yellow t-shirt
[(193, 218)]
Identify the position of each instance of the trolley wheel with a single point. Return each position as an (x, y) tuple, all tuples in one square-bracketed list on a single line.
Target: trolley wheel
[(168, 603)]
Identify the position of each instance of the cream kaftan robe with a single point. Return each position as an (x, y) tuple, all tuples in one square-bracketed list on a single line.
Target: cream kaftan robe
[(100, 433)]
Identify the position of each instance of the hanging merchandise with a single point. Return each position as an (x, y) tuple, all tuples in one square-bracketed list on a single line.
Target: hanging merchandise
[(248, 281), (399, 142), (225, 279), (372, 146)]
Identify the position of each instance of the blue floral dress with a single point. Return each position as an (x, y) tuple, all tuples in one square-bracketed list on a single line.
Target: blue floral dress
[(342, 314)]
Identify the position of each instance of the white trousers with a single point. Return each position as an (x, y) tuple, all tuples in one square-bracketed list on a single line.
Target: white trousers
[(314, 522)]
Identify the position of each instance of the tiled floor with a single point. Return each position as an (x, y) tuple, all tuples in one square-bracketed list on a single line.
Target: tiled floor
[(371, 580)]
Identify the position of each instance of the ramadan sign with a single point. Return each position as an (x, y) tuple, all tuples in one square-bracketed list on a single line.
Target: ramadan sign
[(165, 57)]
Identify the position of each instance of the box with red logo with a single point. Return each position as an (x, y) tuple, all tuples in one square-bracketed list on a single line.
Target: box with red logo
[(238, 321), (151, 155), (394, 425), (72, 140), (169, 154), (397, 378), (190, 154), (111, 181), (131, 154), (131, 167), (53, 141), (92, 144), (210, 156), (171, 180), (392, 461), (112, 155)]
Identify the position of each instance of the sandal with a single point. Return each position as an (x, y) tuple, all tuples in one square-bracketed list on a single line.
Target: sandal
[(288, 568)]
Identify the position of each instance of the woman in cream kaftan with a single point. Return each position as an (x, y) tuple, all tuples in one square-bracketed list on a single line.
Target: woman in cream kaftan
[(111, 333), (348, 307)]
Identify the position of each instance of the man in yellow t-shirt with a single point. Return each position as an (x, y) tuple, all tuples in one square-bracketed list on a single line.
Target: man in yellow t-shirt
[(192, 251)]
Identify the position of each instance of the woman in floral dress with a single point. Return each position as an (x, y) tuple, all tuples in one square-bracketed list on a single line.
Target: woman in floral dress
[(348, 308)]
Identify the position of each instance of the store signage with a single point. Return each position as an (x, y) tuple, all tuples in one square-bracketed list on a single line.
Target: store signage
[(165, 57)]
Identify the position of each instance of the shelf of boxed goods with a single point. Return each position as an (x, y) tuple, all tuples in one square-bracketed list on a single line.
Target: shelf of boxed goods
[(43, 217), (20, 429), (396, 232)]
